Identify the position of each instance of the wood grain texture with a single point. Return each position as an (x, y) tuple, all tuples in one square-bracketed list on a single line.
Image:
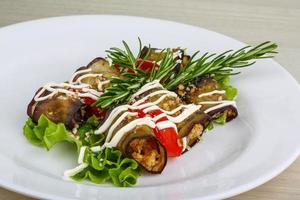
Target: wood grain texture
[(248, 21)]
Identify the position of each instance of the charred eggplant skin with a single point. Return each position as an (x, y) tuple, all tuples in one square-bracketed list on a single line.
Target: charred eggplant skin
[(59, 109), (198, 121)]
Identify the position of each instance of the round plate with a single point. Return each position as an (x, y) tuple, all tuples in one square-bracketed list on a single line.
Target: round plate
[(231, 159)]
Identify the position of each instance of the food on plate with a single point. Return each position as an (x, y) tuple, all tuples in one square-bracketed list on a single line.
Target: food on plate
[(128, 113)]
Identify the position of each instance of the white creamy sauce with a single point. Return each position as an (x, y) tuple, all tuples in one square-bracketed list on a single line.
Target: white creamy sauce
[(211, 93), (101, 84), (156, 118), (114, 113), (80, 72), (55, 88), (166, 124), (221, 105), (185, 114), (146, 87), (119, 120), (172, 112), (184, 143), (72, 172), (118, 136), (81, 155), (166, 92)]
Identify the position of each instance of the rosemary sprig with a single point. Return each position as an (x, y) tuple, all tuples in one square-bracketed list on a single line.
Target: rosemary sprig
[(223, 64), (132, 78)]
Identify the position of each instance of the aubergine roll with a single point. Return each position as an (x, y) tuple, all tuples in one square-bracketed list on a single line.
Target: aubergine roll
[(206, 92), (61, 103), (133, 136), (96, 74)]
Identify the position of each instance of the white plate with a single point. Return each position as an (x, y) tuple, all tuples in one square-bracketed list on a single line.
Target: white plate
[(237, 157)]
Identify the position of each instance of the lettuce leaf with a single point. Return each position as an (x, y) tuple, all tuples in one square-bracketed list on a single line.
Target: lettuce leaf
[(109, 165), (86, 132), (224, 82), (47, 133)]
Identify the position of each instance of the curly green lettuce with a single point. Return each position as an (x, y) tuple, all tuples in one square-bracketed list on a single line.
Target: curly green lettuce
[(47, 133), (86, 132), (224, 82), (108, 165)]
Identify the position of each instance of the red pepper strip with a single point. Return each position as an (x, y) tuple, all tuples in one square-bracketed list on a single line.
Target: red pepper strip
[(93, 110), (167, 136), (146, 65)]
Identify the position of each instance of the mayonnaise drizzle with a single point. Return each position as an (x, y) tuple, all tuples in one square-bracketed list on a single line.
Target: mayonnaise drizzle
[(72, 172), (146, 87), (117, 137), (221, 105), (190, 109), (211, 93), (79, 72), (166, 92), (81, 155), (166, 124), (119, 120), (55, 88)]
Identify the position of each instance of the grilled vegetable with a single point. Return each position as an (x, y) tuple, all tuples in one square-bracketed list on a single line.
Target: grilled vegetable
[(142, 145), (61, 108), (207, 92), (95, 74)]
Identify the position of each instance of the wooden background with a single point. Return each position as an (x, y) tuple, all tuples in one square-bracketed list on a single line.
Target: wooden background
[(248, 21)]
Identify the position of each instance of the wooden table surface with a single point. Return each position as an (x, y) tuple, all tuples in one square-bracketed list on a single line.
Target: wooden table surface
[(248, 21)]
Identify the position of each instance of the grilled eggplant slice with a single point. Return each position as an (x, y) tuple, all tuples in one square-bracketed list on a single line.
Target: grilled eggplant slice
[(59, 109), (98, 66), (142, 145), (193, 127)]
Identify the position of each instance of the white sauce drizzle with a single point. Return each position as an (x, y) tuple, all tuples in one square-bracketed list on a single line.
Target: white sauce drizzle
[(166, 124), (55, 88), (159, 116), (221, 105), (184, 143), (119, 120), (72, 172), (211, 93), (79, 72), (166, 92), (190, 109), (86, 76), (81, 155), (117, 137), (101, 84), (146, 87)]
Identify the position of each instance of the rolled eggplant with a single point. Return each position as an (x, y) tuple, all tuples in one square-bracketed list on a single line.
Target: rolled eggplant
[(205, 91), (135, 138), (96, 74), (142, 145), (60, 108)]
